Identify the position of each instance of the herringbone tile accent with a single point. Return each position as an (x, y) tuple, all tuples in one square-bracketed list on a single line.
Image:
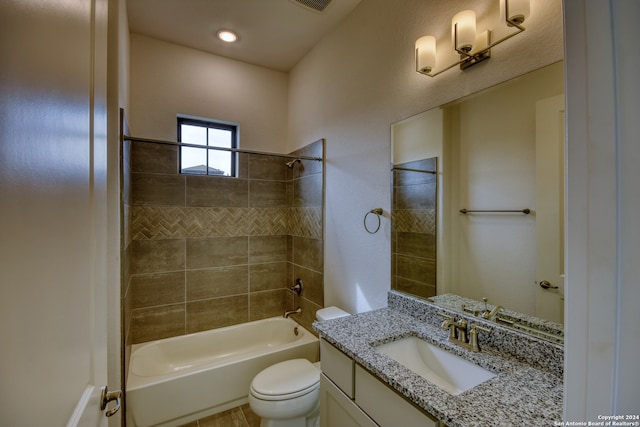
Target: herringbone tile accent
[(157, 223), (267, 222), (216, 222), (305, 222), (414, 220), (148, 223)]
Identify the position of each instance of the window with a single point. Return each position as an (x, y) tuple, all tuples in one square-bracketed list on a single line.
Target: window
[(207, 133)]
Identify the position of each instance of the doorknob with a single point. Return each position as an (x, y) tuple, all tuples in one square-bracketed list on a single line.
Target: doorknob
[(108, 396), (544, 284)]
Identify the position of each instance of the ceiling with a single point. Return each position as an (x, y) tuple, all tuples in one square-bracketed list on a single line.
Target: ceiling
[(274, 34)]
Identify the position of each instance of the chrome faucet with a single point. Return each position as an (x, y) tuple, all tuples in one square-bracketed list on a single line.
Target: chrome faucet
[(289, 313), (458, 332)]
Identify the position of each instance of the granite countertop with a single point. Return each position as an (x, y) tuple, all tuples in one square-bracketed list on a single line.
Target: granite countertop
[(519, 395)]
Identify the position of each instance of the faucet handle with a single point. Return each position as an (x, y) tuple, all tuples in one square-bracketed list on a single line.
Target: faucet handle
[(449, 323), (473, 311), (473, 336), (447, 315), (481, 328)]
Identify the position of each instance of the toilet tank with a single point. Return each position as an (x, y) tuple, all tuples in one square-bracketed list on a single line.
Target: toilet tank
[(328, 313)]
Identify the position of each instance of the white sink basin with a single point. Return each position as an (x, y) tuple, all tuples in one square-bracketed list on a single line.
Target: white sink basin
[(451, 373)]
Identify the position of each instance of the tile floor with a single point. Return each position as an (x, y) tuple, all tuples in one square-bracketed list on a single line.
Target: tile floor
[(242, 416)]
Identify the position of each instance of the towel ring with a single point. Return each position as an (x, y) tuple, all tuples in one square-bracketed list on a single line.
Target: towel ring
[(377, 212)]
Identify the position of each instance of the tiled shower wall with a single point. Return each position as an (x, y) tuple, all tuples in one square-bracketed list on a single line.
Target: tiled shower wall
[(205, 252), (413, 252)]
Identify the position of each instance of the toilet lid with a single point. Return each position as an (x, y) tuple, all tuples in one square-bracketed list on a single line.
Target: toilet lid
[(286, 379)]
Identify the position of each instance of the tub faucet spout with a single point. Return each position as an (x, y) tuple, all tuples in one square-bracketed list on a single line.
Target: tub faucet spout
[(289, 313)]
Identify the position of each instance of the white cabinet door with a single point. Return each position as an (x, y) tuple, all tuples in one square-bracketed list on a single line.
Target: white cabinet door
[(385, 406), (337, 410), (337, 366)]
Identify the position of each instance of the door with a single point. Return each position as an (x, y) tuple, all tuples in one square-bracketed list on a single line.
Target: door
[(550, 145), (53, 240)]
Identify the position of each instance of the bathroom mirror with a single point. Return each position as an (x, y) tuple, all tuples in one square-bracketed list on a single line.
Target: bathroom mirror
[(478, 190)]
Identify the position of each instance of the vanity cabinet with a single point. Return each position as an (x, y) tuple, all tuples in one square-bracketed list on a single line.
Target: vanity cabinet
[(351, 397), (337, 410)]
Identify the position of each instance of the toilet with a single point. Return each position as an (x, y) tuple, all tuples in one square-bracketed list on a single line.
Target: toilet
[(287, 394)]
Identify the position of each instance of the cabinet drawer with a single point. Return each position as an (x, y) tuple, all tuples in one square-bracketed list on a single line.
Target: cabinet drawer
[(338, 367), (384, 405)]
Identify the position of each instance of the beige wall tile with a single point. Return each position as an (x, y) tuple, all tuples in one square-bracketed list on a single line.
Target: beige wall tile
[(155, 256), (243, 165), (307, 191), (148, 324), (419, 196), (154, 289), (217, 282), (419, 270), (217, 252), (268, 276), (263, 305), (414, 288), (267, 249), (312, 284), (154, 158), (216, 313), (308, 252), (267, 194), (416, 244), (157, 190), (268, 167), (195, 238), (217, 191)]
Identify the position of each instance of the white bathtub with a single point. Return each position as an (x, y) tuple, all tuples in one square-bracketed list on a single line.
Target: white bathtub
[(181, 379)]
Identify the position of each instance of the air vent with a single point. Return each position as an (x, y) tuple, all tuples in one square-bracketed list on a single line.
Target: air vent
[(315, 5)]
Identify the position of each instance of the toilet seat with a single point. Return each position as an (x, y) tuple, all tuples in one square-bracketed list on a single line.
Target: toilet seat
[(286, 380)]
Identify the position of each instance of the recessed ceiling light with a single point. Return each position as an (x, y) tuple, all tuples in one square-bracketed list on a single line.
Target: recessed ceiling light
[(227, 36)]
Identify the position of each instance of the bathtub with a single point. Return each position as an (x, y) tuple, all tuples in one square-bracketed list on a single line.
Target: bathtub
[(177, 380)]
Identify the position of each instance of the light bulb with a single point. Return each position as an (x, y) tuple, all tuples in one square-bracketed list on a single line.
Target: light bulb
[(463, 30), (425, 54), (227, 36), (516, 11)]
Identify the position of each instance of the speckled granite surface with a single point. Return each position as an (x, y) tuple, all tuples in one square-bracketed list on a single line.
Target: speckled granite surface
[(506, 341), (544, 329), (521, 394)]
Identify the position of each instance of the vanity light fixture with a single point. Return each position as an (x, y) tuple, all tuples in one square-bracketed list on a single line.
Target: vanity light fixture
[(471, 46), (227, 36)]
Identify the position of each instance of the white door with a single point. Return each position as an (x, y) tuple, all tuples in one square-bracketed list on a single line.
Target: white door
[(53, 240), (550, 145)]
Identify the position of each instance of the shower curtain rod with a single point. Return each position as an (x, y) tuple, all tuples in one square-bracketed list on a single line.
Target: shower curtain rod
[(413, 170), (233, 150)]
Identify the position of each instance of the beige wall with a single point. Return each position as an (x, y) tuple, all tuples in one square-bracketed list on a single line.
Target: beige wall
[(167, 80), (360, 79)]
